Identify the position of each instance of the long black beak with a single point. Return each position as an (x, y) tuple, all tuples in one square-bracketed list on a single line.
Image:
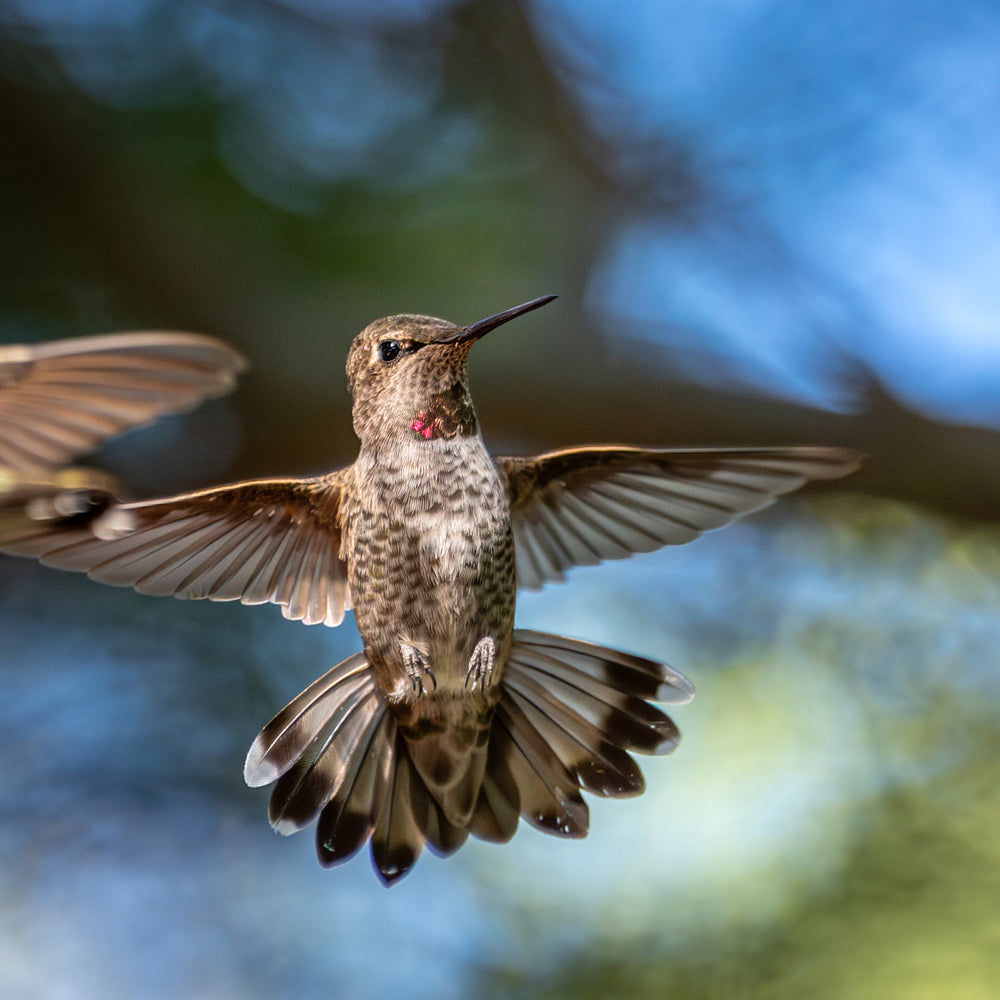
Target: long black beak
[(476, 330)]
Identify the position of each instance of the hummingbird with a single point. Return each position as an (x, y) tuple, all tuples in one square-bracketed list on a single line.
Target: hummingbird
[(61, 399), (450, 721)]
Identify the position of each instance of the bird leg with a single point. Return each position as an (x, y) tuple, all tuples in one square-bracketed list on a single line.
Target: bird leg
[(417, 664), (481, 663)]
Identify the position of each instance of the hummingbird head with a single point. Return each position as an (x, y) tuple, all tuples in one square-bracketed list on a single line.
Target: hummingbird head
[(408, 375)]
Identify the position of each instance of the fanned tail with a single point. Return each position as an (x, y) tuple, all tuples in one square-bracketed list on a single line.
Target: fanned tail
[(568, 715), (335, 752)]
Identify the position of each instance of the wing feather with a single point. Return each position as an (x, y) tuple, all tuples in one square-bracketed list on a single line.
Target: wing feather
[(262, 541), (581, 506), (62, 398)]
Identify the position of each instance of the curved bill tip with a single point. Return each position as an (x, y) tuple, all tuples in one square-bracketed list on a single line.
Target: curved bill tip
[(476, 330)]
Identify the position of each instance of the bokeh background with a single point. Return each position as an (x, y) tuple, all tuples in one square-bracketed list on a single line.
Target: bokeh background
[(769, 222)]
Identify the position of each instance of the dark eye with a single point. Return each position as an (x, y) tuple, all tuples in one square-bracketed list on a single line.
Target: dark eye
[(388, 350)]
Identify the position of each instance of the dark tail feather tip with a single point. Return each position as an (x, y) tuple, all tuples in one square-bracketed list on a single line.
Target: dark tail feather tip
[(342, 842), (393, 865)]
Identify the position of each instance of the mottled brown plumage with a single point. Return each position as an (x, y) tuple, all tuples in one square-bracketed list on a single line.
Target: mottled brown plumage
[(450, 722)]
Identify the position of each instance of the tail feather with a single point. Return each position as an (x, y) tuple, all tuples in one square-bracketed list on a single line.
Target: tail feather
[(549, 795), (347, 821), (648, 679), (598, 766), (627, 720), (566, 715), (305, 789), (282, 742), (499, 806), (443, 837), (398, 837), (450, 755)]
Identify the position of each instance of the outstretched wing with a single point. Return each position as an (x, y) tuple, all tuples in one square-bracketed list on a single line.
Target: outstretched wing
[(580, 506), (271, 540), (61, 399)]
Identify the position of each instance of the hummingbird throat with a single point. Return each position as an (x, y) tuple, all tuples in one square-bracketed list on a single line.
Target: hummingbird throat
[(449, 415)]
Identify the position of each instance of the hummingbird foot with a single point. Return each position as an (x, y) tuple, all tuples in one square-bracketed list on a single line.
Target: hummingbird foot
[(417, 665), (481, 663)]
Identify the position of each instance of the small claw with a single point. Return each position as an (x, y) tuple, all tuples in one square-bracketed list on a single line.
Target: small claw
[(417, 666), (481, 664)]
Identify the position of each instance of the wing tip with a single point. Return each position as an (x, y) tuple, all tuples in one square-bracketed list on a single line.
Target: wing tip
[(834, 461)]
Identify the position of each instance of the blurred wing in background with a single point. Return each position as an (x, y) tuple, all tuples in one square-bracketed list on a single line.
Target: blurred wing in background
[(63, 398), (58, 500), (579, 506)]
